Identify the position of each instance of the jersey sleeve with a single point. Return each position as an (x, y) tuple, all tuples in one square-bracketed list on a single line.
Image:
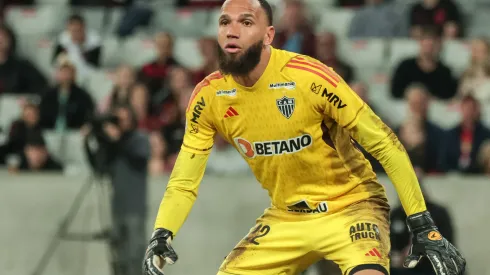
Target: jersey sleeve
[(200, 131), (337, 101)]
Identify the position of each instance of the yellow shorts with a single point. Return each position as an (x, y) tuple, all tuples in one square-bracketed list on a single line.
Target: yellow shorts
[(283, 243)]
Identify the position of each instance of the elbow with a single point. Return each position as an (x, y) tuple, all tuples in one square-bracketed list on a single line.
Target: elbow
[(186, 192)]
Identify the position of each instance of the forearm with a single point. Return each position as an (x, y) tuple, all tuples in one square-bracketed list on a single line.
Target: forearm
[(181, 191), (382, 143)]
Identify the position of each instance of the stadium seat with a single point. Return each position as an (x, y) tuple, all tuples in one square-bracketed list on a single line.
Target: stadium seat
[(44, 19), (401, 49), (393, 112), (479, 22), (66, 147), (114, 18), (111, 52), (187, 53), (94, 17), (9, 110), (335, 20), (99, 85), (363, 53), (456, 54), (444, 115), (44, 49), (52, 2), (183, 23), (138, 51), (213, 24)]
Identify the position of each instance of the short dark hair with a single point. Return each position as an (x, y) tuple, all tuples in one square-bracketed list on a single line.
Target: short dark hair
[(76, 18), (432, 32), (268, 11)]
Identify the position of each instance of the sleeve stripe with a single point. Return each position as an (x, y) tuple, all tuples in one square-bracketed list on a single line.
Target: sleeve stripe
[(196, 91), (318, 66), (197, 149), (314, 72)]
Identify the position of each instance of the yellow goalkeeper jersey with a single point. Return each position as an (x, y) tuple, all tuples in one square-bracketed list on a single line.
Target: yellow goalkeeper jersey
[(296, 129)]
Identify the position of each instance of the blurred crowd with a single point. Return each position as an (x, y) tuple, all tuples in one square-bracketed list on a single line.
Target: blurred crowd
[(159, 90)]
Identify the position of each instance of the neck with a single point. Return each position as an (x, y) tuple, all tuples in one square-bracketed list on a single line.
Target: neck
[(65, 86), (251, 78)]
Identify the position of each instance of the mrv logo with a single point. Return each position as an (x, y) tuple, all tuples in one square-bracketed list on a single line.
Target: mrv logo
[(304, 207), (197, 110), (274, 147)]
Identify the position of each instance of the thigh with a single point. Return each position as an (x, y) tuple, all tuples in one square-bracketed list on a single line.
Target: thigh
[(276, 245), (359, 238)]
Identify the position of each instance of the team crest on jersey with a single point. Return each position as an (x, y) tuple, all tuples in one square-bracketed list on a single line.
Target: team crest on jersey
[(286, 106)]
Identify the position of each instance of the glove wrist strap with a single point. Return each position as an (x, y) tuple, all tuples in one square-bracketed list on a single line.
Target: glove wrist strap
[(419, 221)]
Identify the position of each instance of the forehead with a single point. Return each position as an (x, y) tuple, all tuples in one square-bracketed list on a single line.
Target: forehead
[(239, 7)]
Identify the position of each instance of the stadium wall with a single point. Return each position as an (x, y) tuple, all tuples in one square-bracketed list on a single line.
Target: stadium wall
[(33, 205)]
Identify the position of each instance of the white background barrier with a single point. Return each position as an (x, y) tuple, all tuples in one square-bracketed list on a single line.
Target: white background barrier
[(31, 207)]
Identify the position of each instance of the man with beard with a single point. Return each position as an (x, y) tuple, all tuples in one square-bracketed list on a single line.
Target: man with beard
[(294, 121)]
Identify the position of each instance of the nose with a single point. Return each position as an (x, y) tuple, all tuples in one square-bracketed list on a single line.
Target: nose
[(233, 31)]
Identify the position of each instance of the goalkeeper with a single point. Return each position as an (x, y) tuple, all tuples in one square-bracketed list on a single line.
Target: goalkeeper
[(295, 122)]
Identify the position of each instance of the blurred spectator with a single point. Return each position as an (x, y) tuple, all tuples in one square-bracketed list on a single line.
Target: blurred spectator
[(139, 102), (173, 133), (125, 81), (27, 125), (326, 52), (350, 3), (17, 75), (66, 105), (443, 14), (484, 157), (208, 49), (426, 68), (400, 236), (35, 156), (199, 3), (420, 137), (378, 19), (295, 32), (476, 79), (109, 3), (153, 74), (137, 15), (462, 143), (83, 47), (156, 164)]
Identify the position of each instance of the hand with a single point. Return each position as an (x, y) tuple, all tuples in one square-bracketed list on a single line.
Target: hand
[(159, 252), (427, 241), (112, 131)]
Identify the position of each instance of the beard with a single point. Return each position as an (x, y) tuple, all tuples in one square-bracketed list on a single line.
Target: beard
[(240, 65)]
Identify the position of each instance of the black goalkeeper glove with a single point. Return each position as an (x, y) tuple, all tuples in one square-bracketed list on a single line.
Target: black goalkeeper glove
[(427, 241), (159, 252)]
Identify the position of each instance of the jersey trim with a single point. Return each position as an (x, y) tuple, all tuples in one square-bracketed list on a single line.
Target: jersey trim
[(301, 64), (206, 82), (320, 66), (197, 149)]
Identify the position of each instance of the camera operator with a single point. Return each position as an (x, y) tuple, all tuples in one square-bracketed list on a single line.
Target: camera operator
[(128, 152)]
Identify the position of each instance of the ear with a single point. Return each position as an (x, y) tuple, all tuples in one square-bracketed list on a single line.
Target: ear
[(269, 35)]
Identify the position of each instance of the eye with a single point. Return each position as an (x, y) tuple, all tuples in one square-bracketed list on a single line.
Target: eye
[(247, 23), (223, 22)]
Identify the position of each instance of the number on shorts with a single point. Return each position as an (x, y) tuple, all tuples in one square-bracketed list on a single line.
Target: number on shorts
[(262, 230)]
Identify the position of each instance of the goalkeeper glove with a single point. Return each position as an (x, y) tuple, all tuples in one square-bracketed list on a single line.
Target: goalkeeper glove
[(427, 241), (159, 252)]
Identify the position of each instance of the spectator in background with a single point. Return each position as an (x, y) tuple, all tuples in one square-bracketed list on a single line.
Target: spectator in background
[(326, 52), (208, 49), (66, 105), (124, 84), (350, 3), (295, 32), (156, 164), (139, 102), (378, 19), (27, 125), (154, 73), (35, 155), (426, 68), (462, 143), (83, 47), (443, 14), (420, 137), (400, 236), (17, 75), (476, 79), (484, 157)]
